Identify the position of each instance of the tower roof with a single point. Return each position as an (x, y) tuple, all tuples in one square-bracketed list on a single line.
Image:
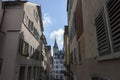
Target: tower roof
[(55, 44)]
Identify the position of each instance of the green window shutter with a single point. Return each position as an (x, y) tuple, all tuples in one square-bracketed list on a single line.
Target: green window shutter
[(113, 7), (102, 34)]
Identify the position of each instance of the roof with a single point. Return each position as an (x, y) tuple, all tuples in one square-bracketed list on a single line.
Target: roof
[(14, 2)]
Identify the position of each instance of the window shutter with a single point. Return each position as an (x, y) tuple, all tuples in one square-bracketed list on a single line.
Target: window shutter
[(29, 50), (30, 25), (113, 7), (75, 60), (20, 45), (102, 34), (26, 49), (25, 19)]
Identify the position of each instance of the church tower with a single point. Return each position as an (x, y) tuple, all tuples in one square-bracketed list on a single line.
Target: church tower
[(55, 47)]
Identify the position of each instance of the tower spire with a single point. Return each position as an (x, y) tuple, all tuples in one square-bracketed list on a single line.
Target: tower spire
[(55, 44)]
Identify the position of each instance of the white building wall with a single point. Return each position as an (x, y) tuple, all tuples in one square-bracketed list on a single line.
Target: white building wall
[(12, 60)]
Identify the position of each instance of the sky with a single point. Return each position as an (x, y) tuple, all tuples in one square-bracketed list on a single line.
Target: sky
[(54, 17)]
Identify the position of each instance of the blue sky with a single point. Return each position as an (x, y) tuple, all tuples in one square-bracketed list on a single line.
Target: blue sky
[(54, 19)]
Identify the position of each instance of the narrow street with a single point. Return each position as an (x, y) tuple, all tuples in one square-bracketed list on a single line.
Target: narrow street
[(59, 39)]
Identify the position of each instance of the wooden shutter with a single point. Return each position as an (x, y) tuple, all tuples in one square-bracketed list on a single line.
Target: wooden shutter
[(113, 7), (102, 34)]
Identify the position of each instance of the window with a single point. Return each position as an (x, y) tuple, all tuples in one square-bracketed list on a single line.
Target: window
[(70, 35), (56, 62), (57, 76), (36, 55), (36, 15), (25, 19), (79, 19), (71, 56), (79, 51), (70, 3), (56, 71), (102, 34), (0, 65), (108, 29), (57, 66), (22, 73), (73, 59), (34, 72), (61, 77), (61, 62), (29, 73), (30, 51), (23, 47), (72, 29), (30, 25), (61, 67), (36, 33), (38, 73), (74, 24), (74, 54), (113, 8), (41, 57)]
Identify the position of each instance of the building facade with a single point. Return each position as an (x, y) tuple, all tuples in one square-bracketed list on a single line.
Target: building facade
[(58, 63), (67, 55), (21, 52), (43, 57), (1, 34), (49, 63), (94, 39)]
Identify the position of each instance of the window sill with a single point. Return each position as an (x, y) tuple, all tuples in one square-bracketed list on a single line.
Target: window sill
[(108, 57)]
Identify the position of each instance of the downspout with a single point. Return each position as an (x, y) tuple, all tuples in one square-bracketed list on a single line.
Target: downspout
[(3, 15)]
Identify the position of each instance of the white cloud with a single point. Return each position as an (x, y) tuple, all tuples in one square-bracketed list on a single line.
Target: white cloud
[(46, 20), (58, 34)]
